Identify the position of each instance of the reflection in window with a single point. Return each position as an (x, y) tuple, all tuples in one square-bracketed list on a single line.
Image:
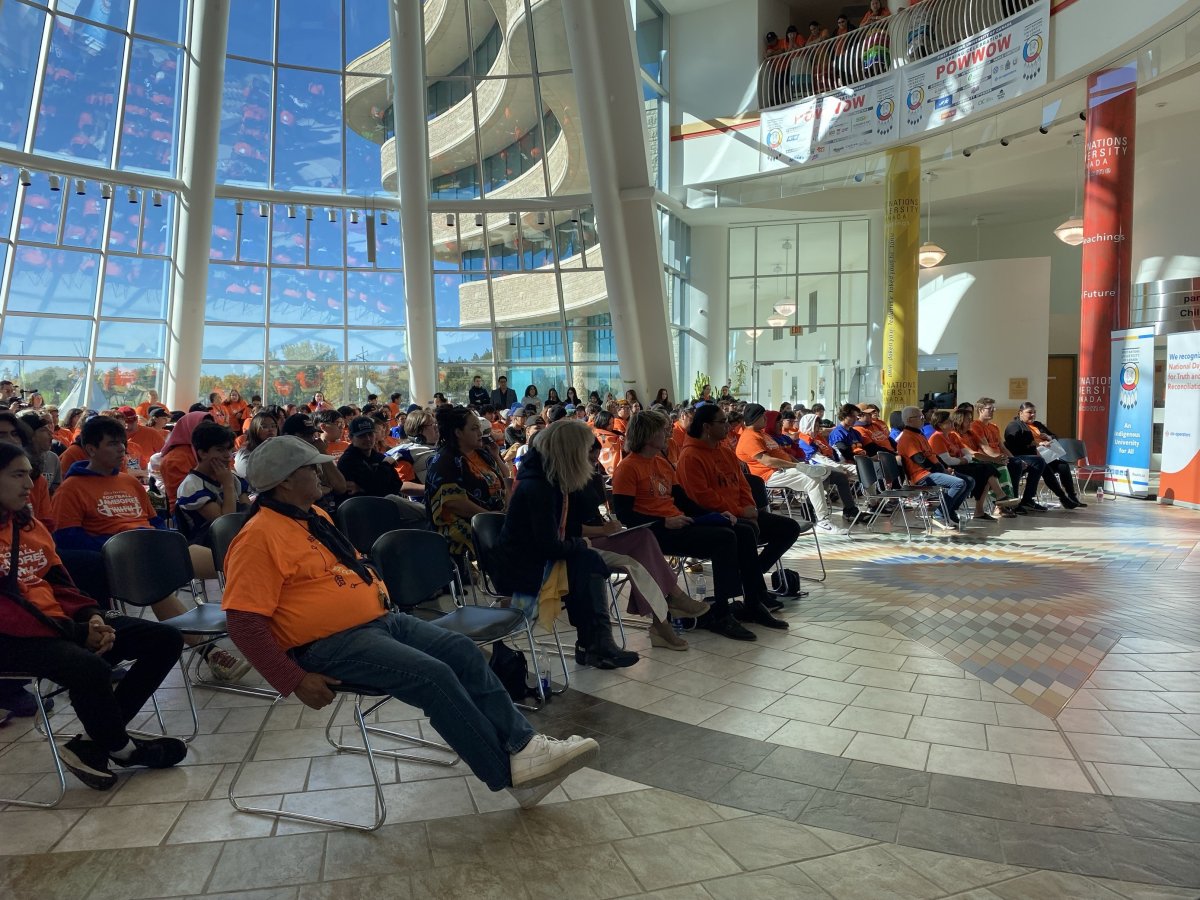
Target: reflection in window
[(78, 113), (135, 288), (245, 123), (308, 134), (49, 280), (22, 27), (152, 101)]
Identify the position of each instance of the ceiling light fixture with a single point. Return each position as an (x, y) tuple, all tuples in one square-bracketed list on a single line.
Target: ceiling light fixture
[(383, 217), (308, 213), (80, 186), (478, 220), (264, 210), (512, 218), (132, 195), (332, 215), (776, 321), (156, 199), (238, 207), (1071, 231), (354, 217), (753, 333), (26, 178), (291, 211), (55, 182), (541, 219), (449, 220), (930, 253), (106, 192)]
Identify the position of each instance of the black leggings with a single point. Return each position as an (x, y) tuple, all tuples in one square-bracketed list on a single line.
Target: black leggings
[(733, 552), (980, 472), (104, 710)]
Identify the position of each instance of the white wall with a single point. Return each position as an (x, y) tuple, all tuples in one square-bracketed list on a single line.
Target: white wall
[(714, 60), (710, 296), (993, 314), (1166, 195)]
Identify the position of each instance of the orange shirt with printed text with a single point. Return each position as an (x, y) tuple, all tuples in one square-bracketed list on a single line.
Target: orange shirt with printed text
[(648, 480)]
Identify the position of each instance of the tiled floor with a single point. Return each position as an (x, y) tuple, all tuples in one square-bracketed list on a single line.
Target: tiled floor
[(1004, 713)]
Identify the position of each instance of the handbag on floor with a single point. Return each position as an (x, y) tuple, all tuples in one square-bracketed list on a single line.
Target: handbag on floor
[(512, 669), (788, 585)]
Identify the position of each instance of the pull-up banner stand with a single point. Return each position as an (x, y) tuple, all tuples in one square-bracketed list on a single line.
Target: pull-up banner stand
[(1179, 482), (1131, 418)]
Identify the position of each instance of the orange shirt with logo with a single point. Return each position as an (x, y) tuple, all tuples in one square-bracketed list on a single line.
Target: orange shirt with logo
[(713, 477), (648, 480), (908, 445), (102, 504), (36, 557), (276, 568), (753, 443)]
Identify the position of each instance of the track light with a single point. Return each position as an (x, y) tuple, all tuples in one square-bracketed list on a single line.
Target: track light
[(354, 217), (1004, 142), (26, 178), (512, 218), (55, 182), (478, 220), (132, 195), (80, 186), (264, 210), (967, 152), (383, 217), (106, 192), (1045, 129), (291, 211), (332, 215), (238, 207), (541, 219), (449, 220), (1083, 115), (308, 213), (156, 198)]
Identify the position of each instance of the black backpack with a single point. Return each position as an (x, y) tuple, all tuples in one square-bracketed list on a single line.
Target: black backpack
[(512, 669), (788, 585)]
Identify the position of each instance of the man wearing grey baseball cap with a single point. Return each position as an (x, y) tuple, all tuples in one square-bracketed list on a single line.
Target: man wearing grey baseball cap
[(310, 613)]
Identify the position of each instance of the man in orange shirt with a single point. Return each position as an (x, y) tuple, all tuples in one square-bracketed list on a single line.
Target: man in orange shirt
[(679, 434), (991, 443), (923, 469), (144, 441), (143, 408), (311, 613), (711, 474), (778, 469)]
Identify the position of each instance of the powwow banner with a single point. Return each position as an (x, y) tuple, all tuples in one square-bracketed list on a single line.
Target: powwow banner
[(1131, 413), (1007, 60), (1179, 481)]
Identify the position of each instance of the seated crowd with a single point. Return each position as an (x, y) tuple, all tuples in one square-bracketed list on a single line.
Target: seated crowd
[(603, 485)]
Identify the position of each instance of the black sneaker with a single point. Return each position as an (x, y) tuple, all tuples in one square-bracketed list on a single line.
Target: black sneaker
[(87, 762), (154, 753)]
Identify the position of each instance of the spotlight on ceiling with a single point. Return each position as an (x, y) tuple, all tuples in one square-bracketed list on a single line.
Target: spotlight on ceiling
[(449, 220), (354, 217), (541, 219), (80, 186), (478, 220), (308, 213), (264, 210), (132, 195), (291, 211), (512, 218), (332, 215), (106, 192), (156, 198), (55, 182), (26, 178), (238, 207), (383, 217)]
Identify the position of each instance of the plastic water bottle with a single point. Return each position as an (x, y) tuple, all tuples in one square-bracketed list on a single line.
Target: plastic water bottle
[(677, 624), (543, 664), (701, 586), (1099, 494)]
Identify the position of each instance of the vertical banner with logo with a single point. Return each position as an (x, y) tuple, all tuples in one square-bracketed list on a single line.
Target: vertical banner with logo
[(1179, 482), (1131, 417), (1107, 224), (901, 240)]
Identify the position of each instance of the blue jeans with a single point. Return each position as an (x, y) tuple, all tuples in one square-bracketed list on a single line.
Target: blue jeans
[(439, 672), (956, 490)]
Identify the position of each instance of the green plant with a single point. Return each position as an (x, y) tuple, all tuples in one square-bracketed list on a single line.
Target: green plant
[(741, 369)]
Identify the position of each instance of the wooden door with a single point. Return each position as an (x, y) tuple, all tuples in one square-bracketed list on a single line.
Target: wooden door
[(1061, 394)]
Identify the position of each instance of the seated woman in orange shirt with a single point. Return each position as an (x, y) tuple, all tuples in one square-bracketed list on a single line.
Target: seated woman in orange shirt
[(646, 491), (960, 459), (612, 442)]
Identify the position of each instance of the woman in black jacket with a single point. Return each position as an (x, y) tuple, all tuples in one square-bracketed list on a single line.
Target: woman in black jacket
[(1023, 436), (534, 534)]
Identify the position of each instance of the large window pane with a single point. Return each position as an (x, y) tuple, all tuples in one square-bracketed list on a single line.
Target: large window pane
[(297, 382), (131, 340), (157, 223), (528, 345), (235, 294), (817, 249), (41, 212), (22, 28), (304, 344), (306, 296), (38, 336), (310, 34), (152, 102), (85, 220), (135, 288), (377, 346), (325, 239), (47, 280), (123, 384), (855, 245), (245, 378), (366, 26), (245, 123), (603, 379), (8, 196), (54, 379), (77, 115), (383, 379), (375, 298), (258, 42), (543, 377), (461, 356), (308, 141), (167, 19), (223, 342)]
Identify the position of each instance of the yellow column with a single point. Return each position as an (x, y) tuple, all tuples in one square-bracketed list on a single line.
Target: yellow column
[(901, 239)]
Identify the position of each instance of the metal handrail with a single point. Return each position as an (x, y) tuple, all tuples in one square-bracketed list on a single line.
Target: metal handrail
[(874, 49)]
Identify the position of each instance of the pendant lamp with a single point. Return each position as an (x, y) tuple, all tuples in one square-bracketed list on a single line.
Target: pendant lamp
[(1071, 231), (930, 253)]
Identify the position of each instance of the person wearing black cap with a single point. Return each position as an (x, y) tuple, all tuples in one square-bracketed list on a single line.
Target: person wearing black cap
[(369, 472)]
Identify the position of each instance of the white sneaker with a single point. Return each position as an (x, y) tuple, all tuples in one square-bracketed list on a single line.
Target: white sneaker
[(529, 797), (942, 524), (827, 527), (225, 666), (547, 759)]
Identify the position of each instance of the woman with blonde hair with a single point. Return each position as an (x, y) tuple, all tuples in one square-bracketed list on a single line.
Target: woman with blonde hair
[(535, 537)]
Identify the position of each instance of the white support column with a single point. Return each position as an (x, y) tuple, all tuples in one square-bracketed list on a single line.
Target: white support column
[(605, 64), (194, 210), (407, 29)]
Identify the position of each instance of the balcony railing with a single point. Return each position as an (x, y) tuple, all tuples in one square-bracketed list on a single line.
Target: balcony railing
[(871, 50)]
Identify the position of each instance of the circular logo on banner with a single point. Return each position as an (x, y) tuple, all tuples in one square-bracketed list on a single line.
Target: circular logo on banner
[(775, 138), (884, 109), (1130, 376), (1032, 49), (915, 98)]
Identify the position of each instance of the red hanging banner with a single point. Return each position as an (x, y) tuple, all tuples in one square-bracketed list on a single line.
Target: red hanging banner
[(1107, 227)]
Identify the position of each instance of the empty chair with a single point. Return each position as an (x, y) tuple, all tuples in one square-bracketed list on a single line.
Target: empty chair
[(365, 519)]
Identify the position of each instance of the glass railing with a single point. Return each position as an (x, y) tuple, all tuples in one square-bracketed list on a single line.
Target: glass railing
[(862, 53)]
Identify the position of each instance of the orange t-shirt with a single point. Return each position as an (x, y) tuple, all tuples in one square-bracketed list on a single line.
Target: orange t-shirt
[(947, 442), (751, 444), (337, 448), (612, 449), (988, 433), (43, 506), (276, 568), (675, 444), (968, 440), (64, 436), (144, 443), (713, 477), (73, 454), (175, 467), (102, 504), (37, 556), (908, 445), (648, 481), (143, 408), (619, 425)]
